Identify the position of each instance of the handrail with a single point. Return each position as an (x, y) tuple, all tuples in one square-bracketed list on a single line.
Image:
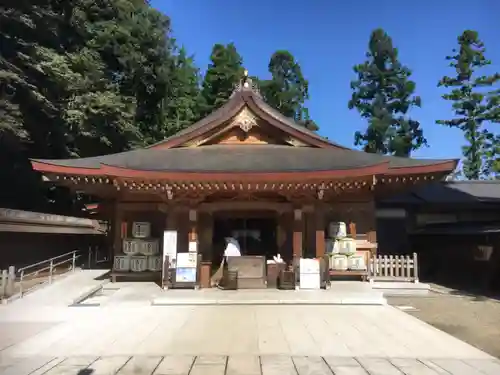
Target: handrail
[(45, 261), (72, 256)]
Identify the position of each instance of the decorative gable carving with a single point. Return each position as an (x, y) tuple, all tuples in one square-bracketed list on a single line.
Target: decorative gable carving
[(246, 120), (245, 128)]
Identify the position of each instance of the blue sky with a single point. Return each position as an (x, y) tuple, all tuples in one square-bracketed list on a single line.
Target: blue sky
[(328, 37)]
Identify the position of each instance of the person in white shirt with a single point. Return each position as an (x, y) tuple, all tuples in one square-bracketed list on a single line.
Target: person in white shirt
[(232, 248)]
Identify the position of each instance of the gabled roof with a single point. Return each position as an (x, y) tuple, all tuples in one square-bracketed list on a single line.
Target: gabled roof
[(240, 99), (171, 159)]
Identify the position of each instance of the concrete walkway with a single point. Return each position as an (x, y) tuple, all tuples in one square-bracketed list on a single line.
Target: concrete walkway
[(45, 336), (64, 290), (246, 365), (351, 331)]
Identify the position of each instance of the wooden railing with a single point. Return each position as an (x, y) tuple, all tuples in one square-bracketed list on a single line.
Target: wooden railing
[(393, 268)]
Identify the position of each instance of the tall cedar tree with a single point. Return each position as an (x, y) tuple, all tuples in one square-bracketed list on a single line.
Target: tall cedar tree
[(473, 106), (287, 90), (78, 78), (223, 73), (384, 94), (182, 104)]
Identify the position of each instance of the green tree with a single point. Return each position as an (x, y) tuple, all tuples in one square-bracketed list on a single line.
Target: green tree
[(384, 94), (472, 106), (287, 90), (81, 78), (224, 72), (182, 104)]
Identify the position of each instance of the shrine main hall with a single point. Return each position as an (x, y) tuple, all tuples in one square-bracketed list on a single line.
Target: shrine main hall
[(244, 171)]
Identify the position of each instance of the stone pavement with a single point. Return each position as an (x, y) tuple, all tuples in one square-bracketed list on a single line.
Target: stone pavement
[(277, 339), (246, 365)]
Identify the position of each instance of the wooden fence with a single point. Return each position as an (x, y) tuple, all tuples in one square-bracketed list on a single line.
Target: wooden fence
[(393, 268)]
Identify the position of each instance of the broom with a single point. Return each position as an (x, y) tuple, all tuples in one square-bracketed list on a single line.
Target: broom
[(217, 276)]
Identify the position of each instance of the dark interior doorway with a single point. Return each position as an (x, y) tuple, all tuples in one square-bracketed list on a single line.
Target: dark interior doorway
[(256, 235)]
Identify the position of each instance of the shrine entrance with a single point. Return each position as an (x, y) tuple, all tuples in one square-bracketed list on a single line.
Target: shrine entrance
[(255, 231)]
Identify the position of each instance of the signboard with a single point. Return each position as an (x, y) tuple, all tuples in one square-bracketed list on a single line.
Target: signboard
[(193, 246), (186, 260), (185, 275), (170, 247), (185, 271)]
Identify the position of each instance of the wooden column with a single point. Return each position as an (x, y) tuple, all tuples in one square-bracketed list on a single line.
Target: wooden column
[(205, 237), (117, 229), (319, 214), (298, 227), (193, 230)]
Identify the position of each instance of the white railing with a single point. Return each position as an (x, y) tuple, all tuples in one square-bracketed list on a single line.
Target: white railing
[(46, 270), (393, 268)]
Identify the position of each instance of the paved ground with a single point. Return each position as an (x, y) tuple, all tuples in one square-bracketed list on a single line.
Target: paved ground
[(45, 335), (245, 365), (474, 320)]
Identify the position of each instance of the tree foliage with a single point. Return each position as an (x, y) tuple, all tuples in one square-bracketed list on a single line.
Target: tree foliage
[(473, 106), (287, 90), (84, 77), (223, 73), (384, 95)]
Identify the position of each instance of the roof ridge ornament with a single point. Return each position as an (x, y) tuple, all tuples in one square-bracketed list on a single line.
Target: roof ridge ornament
[(246, 84)]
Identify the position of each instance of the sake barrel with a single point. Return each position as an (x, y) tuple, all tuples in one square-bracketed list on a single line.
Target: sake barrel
[(338, 262), (332, 246), (130, 247), (138, 263), (347, 246), (155, 263), (337, 230), (121, 263), (149, 247), (356, 262)]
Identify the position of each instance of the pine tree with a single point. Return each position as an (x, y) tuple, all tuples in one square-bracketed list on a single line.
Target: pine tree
[(384, 94), (472, 105), (223, 73)]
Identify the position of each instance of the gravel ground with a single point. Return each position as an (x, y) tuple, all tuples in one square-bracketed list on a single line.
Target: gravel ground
[(475, 320)]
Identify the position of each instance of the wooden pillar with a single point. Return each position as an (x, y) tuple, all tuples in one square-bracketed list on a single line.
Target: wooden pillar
[(117, 228), (205, 238), (319, 214), (193, 230), (298, 227)]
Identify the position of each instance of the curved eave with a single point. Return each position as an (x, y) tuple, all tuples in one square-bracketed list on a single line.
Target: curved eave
[(118, 172), (445, 167)]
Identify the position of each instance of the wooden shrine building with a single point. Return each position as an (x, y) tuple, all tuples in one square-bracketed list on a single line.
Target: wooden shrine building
[(243, 170)]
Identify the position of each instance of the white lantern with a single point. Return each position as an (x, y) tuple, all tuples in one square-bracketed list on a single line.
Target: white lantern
[(121, 263), (155, 263), (138, 263)]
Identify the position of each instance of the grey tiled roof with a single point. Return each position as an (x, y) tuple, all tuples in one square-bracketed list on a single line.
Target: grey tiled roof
[(451, 192), (258, 158)]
